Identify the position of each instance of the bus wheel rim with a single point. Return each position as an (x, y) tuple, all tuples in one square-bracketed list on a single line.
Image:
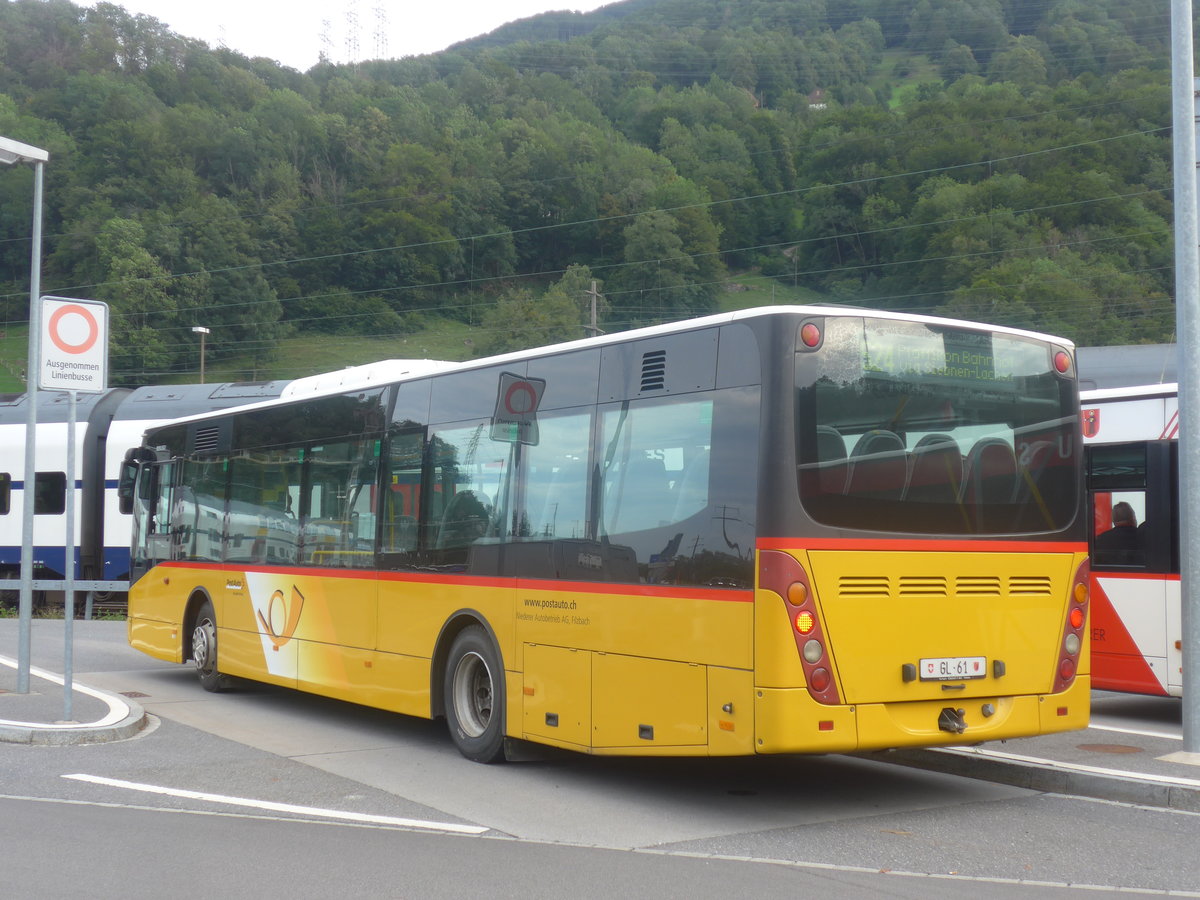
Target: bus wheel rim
[(473, 694), (202, 638)]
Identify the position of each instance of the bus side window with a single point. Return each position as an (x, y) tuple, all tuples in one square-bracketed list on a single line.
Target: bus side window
[(469, 477), (1119, 528), (1120, 512), (338, 522), (199, 511), (555, 500), (5, 493), (402, 493)]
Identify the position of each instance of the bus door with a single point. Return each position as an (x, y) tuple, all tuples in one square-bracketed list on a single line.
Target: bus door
[(150, 498), (1135, 567)]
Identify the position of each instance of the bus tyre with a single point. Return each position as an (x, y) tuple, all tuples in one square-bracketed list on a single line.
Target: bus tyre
[(474, 692), (204, 650)]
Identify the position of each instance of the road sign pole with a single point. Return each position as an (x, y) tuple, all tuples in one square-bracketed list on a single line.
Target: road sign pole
[(1187, 334), (73, 358), (69, 568)]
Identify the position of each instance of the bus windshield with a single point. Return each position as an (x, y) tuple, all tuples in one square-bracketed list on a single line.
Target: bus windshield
[(922, 428)]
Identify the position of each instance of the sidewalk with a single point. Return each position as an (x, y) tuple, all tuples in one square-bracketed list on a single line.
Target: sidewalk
[(1143, 766), (37, 717)]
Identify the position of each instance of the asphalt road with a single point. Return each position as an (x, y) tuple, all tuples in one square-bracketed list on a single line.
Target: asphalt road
[(267, 792)]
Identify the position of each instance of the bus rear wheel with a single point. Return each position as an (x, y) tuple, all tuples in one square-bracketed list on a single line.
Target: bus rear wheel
[(474, 692), (204, 650)]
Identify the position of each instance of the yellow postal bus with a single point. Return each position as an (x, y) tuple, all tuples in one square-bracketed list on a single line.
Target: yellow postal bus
[(786, 530)]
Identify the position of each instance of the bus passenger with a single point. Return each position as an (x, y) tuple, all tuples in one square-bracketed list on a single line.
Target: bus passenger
[(1119, 545)]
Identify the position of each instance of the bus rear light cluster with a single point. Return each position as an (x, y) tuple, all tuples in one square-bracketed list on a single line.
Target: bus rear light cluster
[(783, 574), (1072, 641), (1062, 362)]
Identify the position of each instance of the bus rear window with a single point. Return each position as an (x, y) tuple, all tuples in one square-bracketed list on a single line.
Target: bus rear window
[(919, 428)]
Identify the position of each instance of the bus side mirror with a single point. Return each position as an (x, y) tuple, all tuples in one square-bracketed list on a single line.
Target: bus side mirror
[(126, 486)]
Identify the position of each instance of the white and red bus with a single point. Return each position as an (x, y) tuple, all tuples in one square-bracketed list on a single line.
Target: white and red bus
[(1131, 437)]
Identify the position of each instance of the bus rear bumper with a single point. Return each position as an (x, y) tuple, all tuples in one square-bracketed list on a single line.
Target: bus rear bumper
[(790, 721)]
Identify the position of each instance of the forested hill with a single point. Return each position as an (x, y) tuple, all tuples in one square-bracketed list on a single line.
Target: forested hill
[(1004, 160)]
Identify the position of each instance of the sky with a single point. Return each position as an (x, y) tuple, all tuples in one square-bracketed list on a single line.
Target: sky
[(295, 32)]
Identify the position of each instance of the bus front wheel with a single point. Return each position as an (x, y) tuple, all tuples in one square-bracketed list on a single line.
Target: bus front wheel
[(474, 692), (204, 650)]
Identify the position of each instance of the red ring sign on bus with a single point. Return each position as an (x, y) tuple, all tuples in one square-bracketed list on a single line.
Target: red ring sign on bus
[(74, 345), (517, 400)]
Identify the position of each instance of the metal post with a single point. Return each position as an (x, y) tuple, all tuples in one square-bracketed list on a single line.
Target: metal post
[(25, 613), (203, 332), (69, 567), (1187, 307)]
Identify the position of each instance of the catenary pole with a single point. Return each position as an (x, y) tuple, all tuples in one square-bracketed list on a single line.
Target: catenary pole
[(1187, 331)]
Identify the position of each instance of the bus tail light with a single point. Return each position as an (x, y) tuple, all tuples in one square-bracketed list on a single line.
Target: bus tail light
[(783, 574), (1062, 362), (1072, 640)]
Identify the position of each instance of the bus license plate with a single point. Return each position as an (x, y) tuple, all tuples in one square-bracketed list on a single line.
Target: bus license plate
[(953, 668)]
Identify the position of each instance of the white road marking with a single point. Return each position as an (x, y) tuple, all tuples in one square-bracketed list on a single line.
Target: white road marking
[(803, 865), (1074, 767), (1136, 731), (118, 710), (280, 807)]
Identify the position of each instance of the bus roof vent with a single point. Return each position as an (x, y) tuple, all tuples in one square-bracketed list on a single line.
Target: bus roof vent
[(208, 439), (654, 370)]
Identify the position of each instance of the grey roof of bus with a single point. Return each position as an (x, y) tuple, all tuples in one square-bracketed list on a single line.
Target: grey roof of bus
[(182, 400), (1127, 366), (389, 371), (1133, 392), (53, 406), (151, 403)]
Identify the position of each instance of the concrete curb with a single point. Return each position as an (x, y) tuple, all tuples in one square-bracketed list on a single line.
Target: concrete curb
[(1056, 778), (124, 719)]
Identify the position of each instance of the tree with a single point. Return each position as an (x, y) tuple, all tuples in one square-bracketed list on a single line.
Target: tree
[(145, 341), (520, 320)]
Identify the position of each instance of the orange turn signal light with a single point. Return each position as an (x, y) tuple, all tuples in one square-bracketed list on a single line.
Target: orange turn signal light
[(797, 593)]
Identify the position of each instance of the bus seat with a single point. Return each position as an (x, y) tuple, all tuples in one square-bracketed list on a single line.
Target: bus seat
[(1041, 479), (559, 507), (936, 470), (638, 497), (831, 446), (691, 495), (990, 472), (465, 519), (878, 466), (827, 475)]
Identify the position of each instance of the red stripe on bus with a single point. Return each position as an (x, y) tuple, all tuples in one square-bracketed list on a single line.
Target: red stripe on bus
[(257, 568), (1172, 428), (1118, 663), (637, 590), (1138, 576), (929, 546)]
